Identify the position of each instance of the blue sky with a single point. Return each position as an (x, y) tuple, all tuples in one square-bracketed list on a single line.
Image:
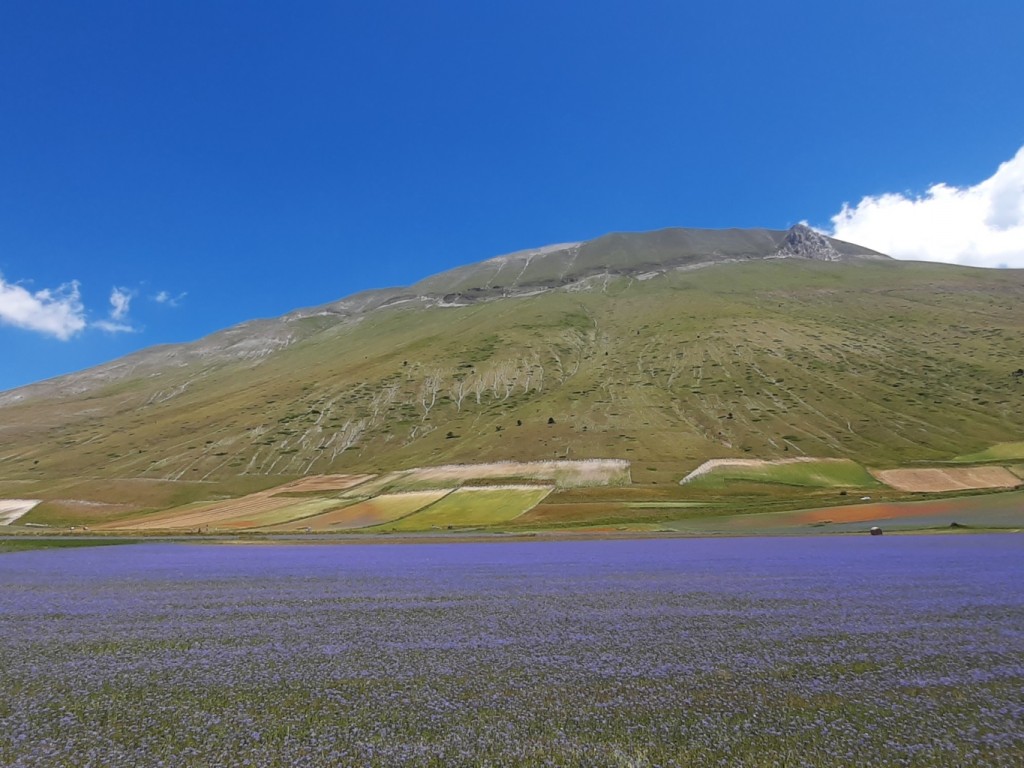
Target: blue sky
[(205, 163)]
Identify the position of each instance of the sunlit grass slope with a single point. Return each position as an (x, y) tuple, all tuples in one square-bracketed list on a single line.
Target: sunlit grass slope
[(882, 363), (1000, 452)]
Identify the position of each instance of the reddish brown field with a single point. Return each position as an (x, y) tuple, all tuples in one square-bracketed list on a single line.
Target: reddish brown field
[(547, 514), (987, 511), (864, 513)]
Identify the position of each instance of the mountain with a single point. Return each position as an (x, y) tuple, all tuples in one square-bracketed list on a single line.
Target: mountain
[(665, 348), (524, 273)]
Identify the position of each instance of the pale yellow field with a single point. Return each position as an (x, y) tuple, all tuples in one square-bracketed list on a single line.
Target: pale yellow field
[(298, 510), (236, 514), (947, 479)]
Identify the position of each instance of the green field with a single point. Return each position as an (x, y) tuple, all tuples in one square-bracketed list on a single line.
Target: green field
[(811, 474), (998, 452), (668, 504), (471, 508), (28, 544)]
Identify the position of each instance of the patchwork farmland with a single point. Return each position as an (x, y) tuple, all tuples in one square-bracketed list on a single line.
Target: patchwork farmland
[(366, 513), (720, 495), (264, 508), (464, 496)]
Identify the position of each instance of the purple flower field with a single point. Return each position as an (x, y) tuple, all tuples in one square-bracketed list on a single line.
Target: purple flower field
[(763, 652)]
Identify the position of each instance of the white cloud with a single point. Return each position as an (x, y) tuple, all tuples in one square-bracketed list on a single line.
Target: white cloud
[(113, 326), (120, 302), (57, 312), (982, 225), (171, 301)]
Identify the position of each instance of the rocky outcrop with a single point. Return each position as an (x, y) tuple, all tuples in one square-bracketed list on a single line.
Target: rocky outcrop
[(802, 242)]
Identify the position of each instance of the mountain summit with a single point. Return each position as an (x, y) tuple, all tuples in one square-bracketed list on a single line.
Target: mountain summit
[(804, 243), (631, 254)]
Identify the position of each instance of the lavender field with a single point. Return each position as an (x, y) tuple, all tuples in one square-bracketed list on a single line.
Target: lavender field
[(774, 652)]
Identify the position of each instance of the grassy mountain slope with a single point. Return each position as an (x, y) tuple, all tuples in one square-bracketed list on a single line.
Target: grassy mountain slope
[(879, 361)]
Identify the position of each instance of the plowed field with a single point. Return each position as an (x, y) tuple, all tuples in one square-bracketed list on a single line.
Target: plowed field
[(264, 508), (237, 514), (377, 511), (996, 510), (948, 479)]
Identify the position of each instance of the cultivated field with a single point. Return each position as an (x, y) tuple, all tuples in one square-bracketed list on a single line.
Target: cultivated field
[(301, 498), (991, 511), (238, 514), (345, 502), (91, 502), (321, 484), (933, 480), (826, 652), (802, 471), (363, 514), (563, 474), (473, 507), (998, 452), (544, 495)]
